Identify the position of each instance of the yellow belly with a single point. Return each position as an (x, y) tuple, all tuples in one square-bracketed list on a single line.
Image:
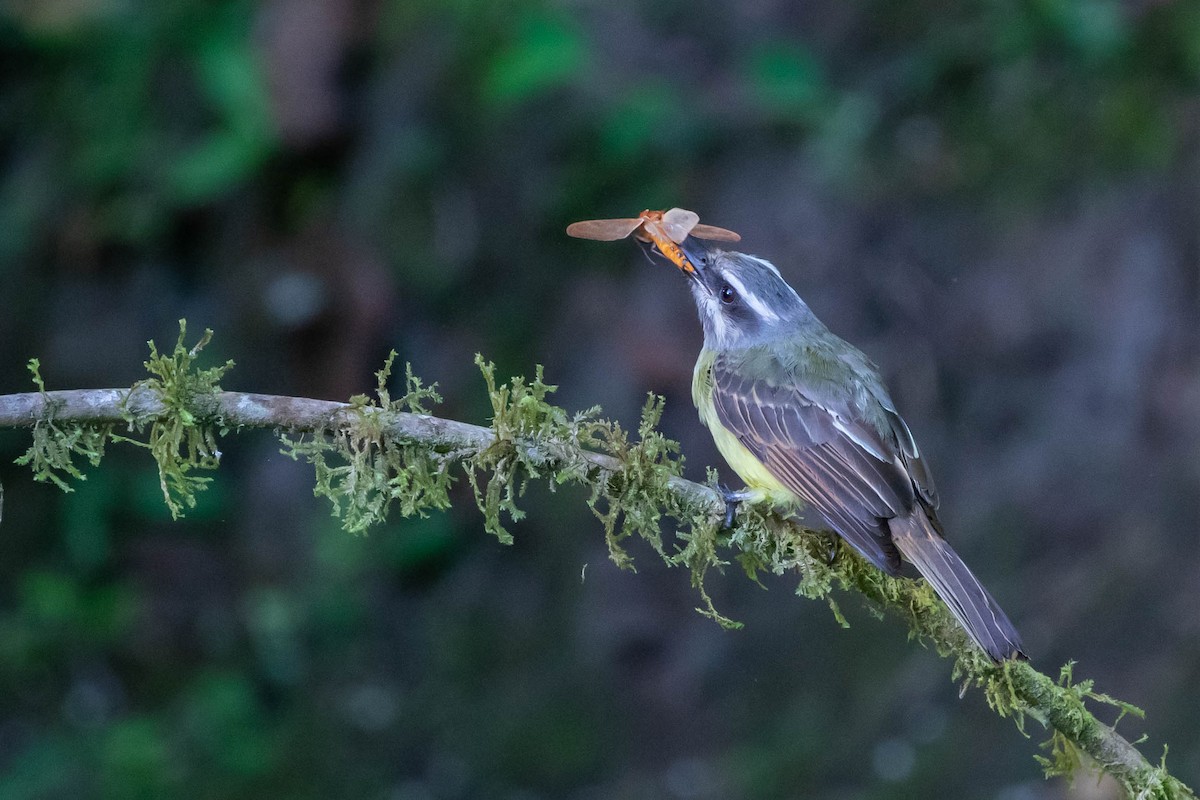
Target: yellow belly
[(740, 459)]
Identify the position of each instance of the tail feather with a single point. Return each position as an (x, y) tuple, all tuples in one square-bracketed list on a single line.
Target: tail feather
[(959, 589)]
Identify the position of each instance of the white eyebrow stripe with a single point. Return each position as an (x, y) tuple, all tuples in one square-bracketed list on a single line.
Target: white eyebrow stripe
[(775, 269), (752, 300)]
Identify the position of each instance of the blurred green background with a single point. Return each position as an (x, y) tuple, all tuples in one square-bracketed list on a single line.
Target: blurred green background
[(998, 200)]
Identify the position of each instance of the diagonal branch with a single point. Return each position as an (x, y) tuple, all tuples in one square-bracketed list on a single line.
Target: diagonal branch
[(1015, 689)]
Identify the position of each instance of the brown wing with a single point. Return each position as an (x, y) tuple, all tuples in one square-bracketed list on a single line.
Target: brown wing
[(839, 464), (604, 230), (702, 231)]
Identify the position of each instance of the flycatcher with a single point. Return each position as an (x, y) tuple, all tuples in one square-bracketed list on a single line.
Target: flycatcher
[(803, 418)]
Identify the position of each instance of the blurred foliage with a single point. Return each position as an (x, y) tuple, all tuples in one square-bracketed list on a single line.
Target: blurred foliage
[(327, 181), (135, 112)]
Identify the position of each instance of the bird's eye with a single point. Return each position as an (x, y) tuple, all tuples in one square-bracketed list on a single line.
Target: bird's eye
[(728, 295)]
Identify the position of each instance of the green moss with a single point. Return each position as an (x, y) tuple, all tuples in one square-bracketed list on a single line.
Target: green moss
[(362, 473), (177, 440), (631, 477), (52, 453), (499, 474), (632, 500)]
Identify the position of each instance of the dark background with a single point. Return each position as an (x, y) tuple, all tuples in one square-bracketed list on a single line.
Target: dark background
[(996, 200)]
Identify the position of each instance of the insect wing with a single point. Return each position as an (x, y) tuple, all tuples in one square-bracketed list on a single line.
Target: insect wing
[(604, 230), (678, 223), (715, 233)]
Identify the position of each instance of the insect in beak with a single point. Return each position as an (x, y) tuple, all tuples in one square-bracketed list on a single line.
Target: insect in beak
[(664, 231)]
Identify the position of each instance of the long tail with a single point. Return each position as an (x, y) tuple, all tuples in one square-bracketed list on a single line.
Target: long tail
[(960, 590)]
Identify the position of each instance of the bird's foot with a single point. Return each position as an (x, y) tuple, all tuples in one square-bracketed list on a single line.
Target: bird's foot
[(732, 501), (834, 546)]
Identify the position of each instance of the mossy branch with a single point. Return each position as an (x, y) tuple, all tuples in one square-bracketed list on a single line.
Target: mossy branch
[(375, 454)]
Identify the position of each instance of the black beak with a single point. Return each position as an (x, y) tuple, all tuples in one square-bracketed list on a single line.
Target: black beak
[(696, 252)]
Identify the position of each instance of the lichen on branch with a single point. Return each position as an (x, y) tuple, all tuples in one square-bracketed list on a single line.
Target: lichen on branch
[(179, 441), (373, 472), (376, 454), (56, 442)]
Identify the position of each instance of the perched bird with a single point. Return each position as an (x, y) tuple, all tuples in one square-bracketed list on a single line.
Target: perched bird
[(803, 417)]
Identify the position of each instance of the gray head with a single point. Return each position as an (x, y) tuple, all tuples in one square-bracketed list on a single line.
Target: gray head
[(742, 299)]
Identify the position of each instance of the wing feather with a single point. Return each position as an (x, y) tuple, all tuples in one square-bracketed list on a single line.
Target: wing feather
[(845, 452), (844, 468)]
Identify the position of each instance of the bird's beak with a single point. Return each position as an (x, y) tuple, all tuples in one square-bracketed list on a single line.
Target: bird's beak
[(696, 255)]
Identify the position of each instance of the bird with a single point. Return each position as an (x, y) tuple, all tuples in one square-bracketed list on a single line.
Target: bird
[(805, 420)]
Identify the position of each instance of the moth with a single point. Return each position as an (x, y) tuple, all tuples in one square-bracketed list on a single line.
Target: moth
[(666, 230)]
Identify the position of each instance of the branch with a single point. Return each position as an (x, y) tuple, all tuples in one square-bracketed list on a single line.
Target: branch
[(305, 415), (383, 454)]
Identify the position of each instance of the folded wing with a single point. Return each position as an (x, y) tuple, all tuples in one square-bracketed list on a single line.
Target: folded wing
[(840, 464)]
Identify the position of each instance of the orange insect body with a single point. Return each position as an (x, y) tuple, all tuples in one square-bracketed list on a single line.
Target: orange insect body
[(665, 229), (653, 230)]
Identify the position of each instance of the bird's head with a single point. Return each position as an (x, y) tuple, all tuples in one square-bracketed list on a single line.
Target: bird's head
[(742, 299)]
